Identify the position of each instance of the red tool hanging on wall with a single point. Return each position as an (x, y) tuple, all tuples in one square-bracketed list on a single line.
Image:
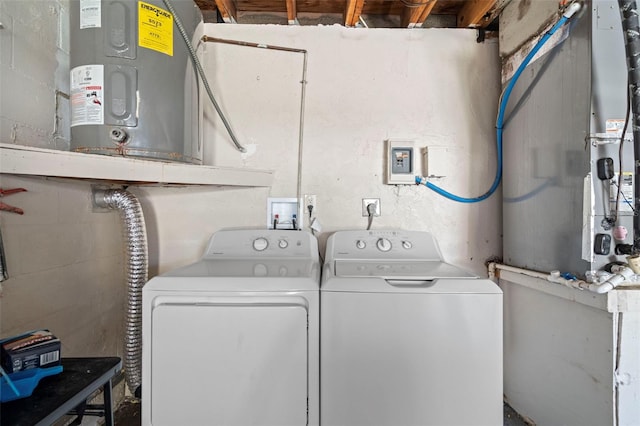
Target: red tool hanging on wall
[(7, 207)]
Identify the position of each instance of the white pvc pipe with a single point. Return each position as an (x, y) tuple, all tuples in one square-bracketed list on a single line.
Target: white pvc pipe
[(534, 274), (621, 274), (571, 10)]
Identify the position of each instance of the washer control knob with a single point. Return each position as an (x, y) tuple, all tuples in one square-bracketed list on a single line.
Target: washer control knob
[(259, 244), (407, 244), (360, 244), (283, 244), (383, 244)]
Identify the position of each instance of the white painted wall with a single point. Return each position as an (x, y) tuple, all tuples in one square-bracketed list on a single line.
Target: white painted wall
[(558, 363), (437, 87)]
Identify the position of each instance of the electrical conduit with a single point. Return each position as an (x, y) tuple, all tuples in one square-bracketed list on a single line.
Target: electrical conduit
[(135, 236), (303, 82), (569, 12), (631, 30), (200, 72)]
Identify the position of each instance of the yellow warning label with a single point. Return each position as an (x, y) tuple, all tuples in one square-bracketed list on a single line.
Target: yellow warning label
[(155, 28)]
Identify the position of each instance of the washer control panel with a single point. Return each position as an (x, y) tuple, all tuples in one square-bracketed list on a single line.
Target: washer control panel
[(375, 245)]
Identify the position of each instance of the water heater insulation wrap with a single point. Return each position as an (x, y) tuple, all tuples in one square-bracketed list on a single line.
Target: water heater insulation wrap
[(133, 88)]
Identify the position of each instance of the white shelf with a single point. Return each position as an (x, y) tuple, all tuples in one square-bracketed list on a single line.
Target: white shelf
[(25, 160)]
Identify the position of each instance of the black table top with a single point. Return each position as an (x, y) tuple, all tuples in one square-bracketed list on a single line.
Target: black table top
[(56, 395)]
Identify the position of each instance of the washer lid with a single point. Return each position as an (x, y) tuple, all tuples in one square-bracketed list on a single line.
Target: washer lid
[(401, 270), (378, 285)]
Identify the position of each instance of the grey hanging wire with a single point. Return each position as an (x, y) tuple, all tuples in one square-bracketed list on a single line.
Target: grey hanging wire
[(200, 71), (371, 210)]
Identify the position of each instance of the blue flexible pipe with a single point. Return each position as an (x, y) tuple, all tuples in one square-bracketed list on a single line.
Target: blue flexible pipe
[(571, 10)]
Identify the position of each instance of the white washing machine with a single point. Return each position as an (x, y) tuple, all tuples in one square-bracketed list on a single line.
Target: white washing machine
[(233, 338), (406, 339)]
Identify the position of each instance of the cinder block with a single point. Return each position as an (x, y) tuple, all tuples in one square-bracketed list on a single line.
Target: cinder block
[(6, 41), (21, 134), (41, 16), (31, 57), (27, 103)]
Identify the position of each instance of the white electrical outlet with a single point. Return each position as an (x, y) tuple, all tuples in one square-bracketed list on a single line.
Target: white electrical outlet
[(365, 204), (310, 200)]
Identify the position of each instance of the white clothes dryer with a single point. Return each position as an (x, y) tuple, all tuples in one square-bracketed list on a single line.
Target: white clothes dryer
[(233, 338), (406, 339)]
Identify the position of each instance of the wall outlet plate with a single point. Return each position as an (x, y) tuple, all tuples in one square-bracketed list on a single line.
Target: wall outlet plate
[(284, 213), (374, 201), (400, 162), (310, 200)]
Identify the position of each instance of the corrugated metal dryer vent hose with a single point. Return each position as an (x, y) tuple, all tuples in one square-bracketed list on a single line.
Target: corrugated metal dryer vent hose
[(135, 236)]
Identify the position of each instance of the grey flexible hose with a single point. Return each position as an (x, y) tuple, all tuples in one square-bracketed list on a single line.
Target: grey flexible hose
[(205, 82), (135, 236), (631, 30)]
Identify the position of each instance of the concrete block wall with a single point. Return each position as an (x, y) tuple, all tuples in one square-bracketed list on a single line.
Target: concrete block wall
[(65, 266), (65, 262), (34, 67), (521, 20)]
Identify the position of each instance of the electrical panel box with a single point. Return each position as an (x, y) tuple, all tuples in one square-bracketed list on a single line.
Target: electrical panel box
[(400, 163)]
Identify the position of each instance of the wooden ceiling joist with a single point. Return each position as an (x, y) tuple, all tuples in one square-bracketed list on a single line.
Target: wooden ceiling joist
[(352, 12), (473, 13), (292, 13), (415, 12), (228, 10)]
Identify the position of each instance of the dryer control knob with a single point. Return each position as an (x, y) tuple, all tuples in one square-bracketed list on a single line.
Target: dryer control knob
[(259, 244), (283, 244), (360, 244), (407, 244), (383, 244)]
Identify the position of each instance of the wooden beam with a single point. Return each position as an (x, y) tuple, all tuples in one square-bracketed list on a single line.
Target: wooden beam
[(292, 13), (415, 15), (228, 10), (473, 12), (352, 12), (496, 11)]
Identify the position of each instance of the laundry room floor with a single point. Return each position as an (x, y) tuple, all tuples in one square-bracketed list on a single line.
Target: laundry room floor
[(128, 414)]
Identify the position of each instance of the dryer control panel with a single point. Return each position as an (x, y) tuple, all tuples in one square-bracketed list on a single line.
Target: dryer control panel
[(258, 243)]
